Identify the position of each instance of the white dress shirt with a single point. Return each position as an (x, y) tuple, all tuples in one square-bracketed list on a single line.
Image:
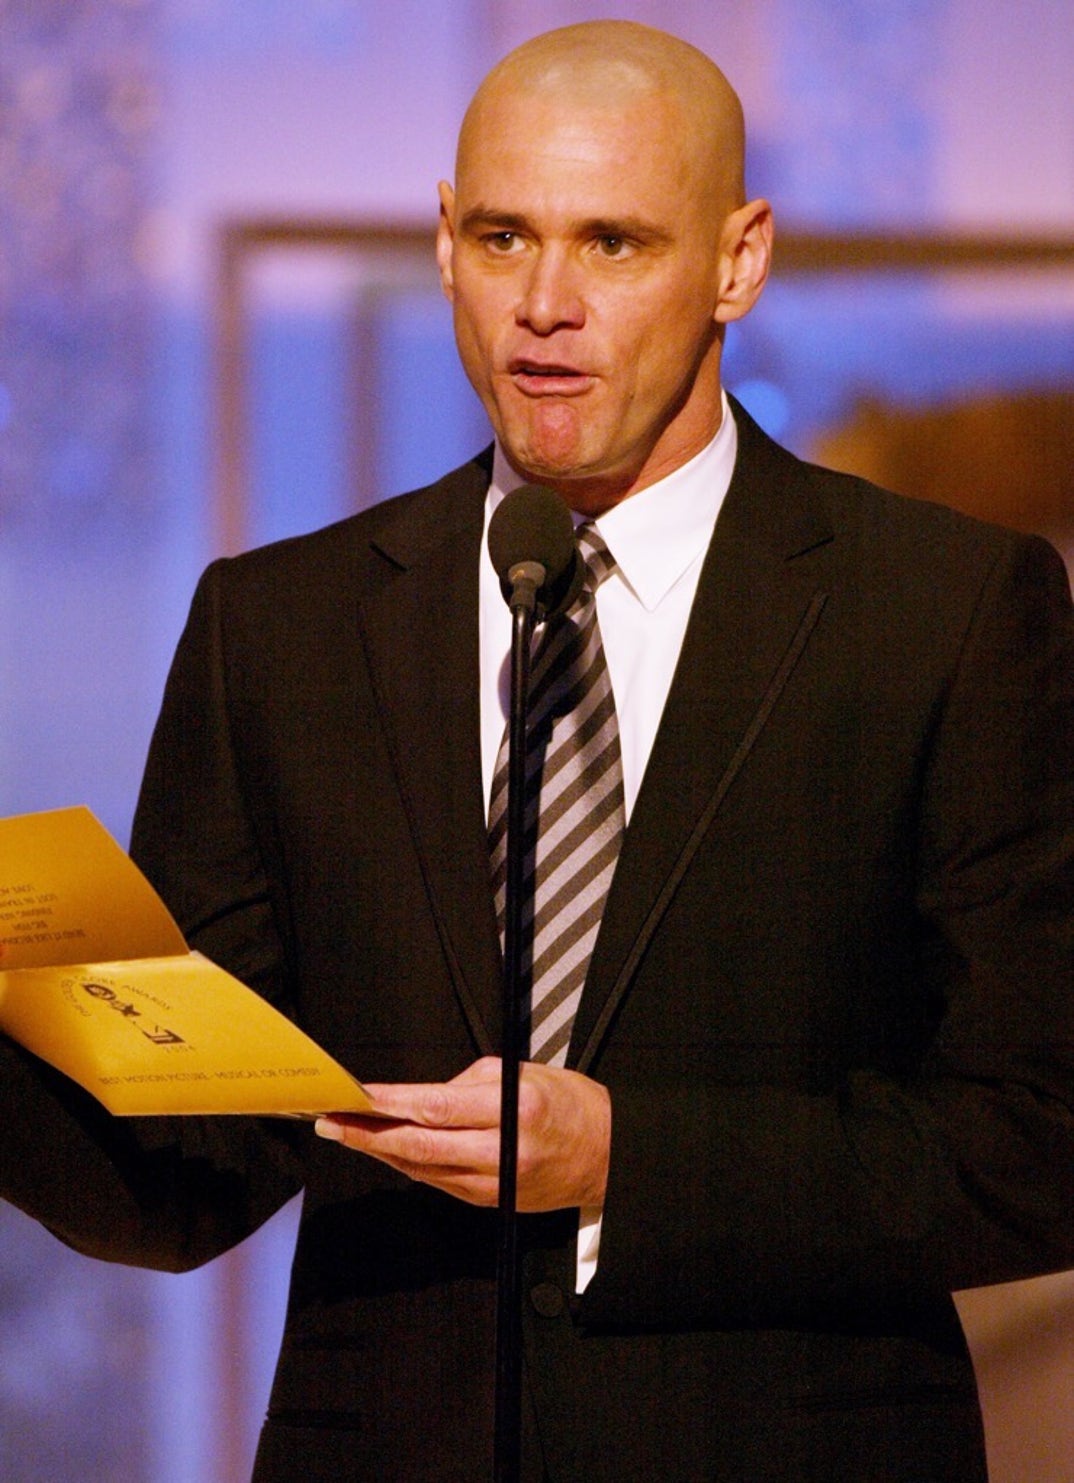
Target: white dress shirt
[(658, 537)]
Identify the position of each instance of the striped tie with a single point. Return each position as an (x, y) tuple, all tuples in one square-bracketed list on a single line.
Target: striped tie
[(574, 810)]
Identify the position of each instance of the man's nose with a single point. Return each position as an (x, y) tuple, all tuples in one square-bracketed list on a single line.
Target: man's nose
[(552, 296)]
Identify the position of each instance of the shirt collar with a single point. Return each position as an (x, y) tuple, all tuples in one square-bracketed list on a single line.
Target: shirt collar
[(657, 534)]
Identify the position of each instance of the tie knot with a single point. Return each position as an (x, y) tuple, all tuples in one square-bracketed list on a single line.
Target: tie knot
[(599, 561)]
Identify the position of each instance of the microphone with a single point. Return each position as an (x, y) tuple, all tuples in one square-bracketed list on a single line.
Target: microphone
[(536, 556), (534, 552)]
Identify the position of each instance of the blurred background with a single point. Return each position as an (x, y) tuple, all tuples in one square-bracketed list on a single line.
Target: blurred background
[(219, 324)]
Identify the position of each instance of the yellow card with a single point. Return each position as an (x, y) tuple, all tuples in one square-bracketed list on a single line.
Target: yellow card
[(97, 979), (69, 894)]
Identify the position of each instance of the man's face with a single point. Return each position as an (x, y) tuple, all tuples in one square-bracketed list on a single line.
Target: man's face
[(582, 259)]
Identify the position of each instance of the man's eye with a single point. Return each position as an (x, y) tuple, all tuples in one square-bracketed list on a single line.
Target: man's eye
[(611, 246), (502, 242)]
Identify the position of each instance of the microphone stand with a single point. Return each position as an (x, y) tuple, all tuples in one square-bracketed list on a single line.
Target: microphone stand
[(507, 1452)]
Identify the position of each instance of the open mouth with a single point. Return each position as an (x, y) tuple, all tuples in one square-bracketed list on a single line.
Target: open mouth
[(538, 378)]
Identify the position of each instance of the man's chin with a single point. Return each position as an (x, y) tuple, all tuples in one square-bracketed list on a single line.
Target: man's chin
[(538, 466), (587, 490), (551, 444)]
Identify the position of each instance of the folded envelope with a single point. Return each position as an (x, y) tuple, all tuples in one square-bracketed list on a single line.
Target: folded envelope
[(97, 979)]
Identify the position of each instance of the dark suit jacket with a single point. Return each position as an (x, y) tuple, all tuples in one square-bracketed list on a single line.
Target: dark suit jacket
[(831, 995)]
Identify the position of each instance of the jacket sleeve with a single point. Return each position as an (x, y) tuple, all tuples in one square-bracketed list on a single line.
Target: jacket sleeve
[(166, 1192), (868, 1201)]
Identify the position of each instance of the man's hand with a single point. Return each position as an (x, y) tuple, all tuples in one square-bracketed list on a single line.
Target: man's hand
[(448, 1134)]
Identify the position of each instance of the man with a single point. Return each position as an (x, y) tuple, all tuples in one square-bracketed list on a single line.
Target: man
[(821, 1071)]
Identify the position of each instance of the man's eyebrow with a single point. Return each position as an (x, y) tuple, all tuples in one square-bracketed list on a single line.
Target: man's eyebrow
[(636, 228), (486, 216)]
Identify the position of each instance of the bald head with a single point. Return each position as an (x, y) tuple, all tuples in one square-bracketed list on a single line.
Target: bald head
[(594, 246), (631, 67)]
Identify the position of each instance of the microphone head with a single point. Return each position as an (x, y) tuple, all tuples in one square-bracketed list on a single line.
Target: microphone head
[(533, 525)]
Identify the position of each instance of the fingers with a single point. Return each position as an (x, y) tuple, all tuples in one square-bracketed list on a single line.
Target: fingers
[(469, 1100), (470, 1172), (414, 1145), (462, 1160), (441, 1133), (448, 1135)]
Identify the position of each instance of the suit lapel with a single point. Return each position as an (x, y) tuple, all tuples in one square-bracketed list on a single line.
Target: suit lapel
[(757, 603), (424, 606)]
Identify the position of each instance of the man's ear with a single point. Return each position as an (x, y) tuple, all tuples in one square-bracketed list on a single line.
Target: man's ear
[(445, 239), (745, 258)]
